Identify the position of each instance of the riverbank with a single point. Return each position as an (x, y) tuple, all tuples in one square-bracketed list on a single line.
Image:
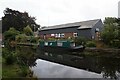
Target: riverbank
[(13, 68), (107, 50), (99, 52), (14, 71), (0, 62)]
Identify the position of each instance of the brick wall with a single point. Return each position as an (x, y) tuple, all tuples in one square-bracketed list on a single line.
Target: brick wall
[(66, 35)]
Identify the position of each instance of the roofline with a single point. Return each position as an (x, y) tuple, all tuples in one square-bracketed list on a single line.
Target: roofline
[(60, 28), (69, 26), (75, 22)]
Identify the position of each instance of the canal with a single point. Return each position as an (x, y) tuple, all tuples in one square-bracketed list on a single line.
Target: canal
[(67, 65)]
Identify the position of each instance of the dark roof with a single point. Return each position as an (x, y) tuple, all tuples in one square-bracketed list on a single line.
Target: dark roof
[(80, 25)]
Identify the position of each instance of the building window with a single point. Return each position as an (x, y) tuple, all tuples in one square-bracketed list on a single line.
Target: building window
[(62, 35), (59, 35), (93, 37), (44, 36), (56, 35), (97, 30), (52, 34), (75, 34)]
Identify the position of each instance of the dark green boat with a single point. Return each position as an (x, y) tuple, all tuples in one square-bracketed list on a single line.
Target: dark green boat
[(60, 46)]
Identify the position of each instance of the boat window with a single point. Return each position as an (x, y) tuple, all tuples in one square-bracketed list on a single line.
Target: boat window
[(50, 43), (59, 44), (72, 44), (46, 43)]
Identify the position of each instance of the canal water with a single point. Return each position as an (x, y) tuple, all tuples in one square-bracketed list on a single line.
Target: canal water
[(47, 69), (64, 65)]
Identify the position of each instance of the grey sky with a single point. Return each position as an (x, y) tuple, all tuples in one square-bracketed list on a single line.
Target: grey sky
[(52, 12)]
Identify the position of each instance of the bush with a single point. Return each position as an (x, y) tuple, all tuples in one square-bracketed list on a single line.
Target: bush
[(8, 56), (90, 44), (9, 60), (80, 41), (51, 39), (34, 39), (21, 38), (115, 43)]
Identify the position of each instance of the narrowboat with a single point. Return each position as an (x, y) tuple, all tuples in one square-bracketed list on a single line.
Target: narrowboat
[(60, 46)]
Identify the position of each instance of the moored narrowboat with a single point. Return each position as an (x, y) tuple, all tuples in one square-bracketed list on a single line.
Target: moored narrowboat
[(60, 46)]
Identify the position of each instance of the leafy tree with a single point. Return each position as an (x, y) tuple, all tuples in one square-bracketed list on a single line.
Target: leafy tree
[(17, 19), (21, 38), (111, 32), (10, 34), (9, 38), (28, 31)]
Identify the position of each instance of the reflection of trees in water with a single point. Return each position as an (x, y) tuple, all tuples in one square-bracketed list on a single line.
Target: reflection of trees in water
[(110, 67)]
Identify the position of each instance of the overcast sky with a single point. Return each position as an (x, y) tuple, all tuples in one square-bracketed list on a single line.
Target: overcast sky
[(53, 12)]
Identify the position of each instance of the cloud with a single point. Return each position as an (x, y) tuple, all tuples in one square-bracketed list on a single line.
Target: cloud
[(51, 12)]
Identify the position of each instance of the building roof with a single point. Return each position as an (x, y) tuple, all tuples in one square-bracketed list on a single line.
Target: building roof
[(80, 25)]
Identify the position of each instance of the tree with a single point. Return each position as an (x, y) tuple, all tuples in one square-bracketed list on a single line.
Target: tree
[(9, 38), (17, 19), (111, 32), (21, 38), (28, 31), (10, 34)]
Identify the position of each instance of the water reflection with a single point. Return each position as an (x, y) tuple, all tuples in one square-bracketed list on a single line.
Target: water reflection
[(81, 66), (107, 66), (46, 69)]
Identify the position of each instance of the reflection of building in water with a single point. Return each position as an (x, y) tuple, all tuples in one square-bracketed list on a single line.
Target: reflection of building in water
[(89, 64)]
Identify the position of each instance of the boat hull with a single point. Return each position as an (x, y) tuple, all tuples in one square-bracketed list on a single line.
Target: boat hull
[(61, 49)]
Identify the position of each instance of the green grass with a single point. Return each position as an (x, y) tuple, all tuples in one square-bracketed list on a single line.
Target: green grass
[(14, 71), (0, 66), (0, 62), (10, 70)]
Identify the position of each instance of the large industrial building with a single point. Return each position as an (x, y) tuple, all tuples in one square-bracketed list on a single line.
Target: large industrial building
[(89, 29)]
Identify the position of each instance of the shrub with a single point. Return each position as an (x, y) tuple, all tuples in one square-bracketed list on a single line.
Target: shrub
[(80, 41), (34, 40), (9, 60), (51, 39), (8, 56), (21, 38), (91, 44)]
